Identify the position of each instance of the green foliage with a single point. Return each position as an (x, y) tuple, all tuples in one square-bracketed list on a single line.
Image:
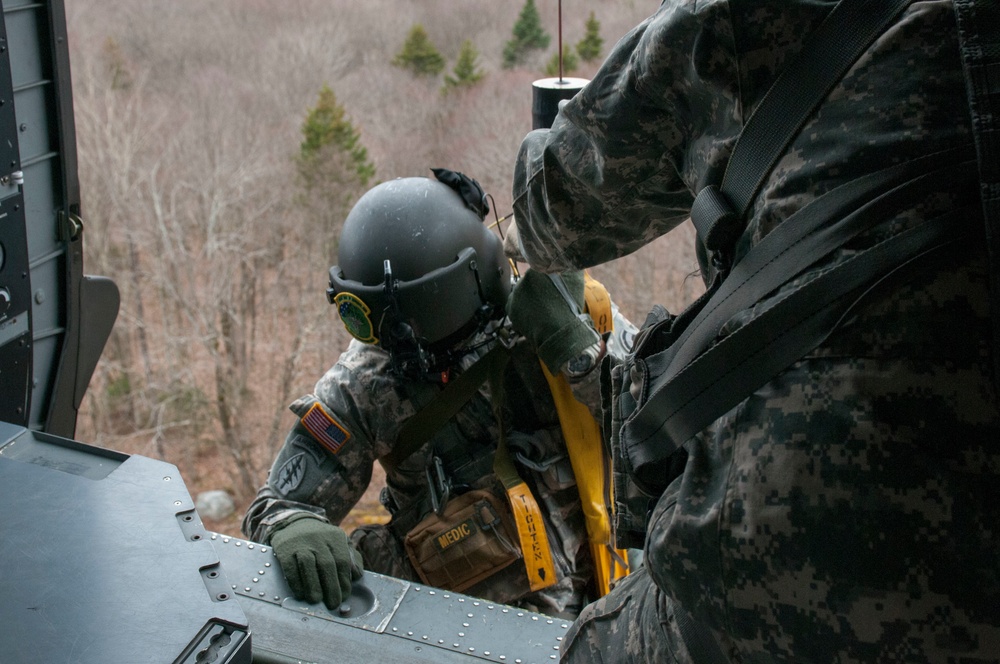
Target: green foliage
[(119, 386), (419, 54), (570, 63), (589, 48), (528, 35), (466, 72), (326, 129)]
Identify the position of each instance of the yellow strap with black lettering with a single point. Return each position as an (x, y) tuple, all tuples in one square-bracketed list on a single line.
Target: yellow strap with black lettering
[(527, 516), (597, 303), (530, 529), (591, 465)]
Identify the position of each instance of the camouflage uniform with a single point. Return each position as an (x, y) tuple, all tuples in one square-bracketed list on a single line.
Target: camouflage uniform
[(848, 510), (372, 404)]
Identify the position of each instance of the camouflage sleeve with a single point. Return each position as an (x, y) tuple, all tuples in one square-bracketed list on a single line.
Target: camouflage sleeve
[(326, 462), (617, 168)]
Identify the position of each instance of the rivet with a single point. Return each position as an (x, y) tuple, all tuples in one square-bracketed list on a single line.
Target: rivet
[(548, 622), (475, 604), (267, 564), (261, 593), (416, 588), (177, 502), (558, 638), (461, 633), (440, 640), (454, 645), (486, 652), (465, 624), (263, 549), (276, 598), (225, 540), (489, 606), (520, 615), (246, 589), (255, 579), (472, 650), (470, 615), (552, 656), (214, 536), (447, 596), (261, 572), (234, 586), (409, 633), (534, 617), (503, 656), (506, 610), (555, 647), (424, 637), (432, 592), (249, 546), (395, 629), (238, 543), (166, 479), (565, 626), (460, 599)]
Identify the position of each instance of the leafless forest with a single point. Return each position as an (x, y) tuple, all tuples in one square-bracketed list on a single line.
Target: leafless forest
[(189, 116)]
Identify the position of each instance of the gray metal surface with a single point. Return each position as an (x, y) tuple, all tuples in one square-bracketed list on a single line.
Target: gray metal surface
[(105, 560), (385, 619)]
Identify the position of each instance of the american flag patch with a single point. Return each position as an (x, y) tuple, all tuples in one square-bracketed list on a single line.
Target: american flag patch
[(324, 428)]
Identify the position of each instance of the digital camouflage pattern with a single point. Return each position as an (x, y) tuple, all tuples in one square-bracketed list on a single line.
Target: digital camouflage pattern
[(848, 510), (372, 404)]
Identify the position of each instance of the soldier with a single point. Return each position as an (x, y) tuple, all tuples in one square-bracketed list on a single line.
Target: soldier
[(423, 286), (844, 509)]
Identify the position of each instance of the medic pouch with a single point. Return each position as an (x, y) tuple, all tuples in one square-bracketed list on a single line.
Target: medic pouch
[(467, 540)]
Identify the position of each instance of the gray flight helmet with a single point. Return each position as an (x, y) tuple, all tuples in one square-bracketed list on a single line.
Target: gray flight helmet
[(418, 272)]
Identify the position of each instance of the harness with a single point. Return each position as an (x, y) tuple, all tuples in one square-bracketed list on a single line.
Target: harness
[(681, 378), (581, 433)]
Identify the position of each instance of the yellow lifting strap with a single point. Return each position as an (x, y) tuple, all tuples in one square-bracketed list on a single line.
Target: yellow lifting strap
[(538, 563), (591, 466)]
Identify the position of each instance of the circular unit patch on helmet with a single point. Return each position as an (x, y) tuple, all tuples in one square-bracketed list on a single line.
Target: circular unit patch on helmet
[(354, 312)]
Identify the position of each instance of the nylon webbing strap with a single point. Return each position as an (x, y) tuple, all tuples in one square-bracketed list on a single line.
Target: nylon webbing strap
[(534, 541), (806, 80), (722, 376), (693, 386), (428, 420), (979, 39)]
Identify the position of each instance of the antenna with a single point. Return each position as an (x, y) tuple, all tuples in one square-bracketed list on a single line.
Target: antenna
[(548, 92), (560, 43)]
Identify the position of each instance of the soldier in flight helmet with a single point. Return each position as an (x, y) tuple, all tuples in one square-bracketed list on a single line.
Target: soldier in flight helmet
[(423, 286), (407, 246)]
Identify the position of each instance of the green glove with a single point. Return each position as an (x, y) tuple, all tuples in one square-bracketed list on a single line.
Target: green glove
[(317, 559), (553, 326)]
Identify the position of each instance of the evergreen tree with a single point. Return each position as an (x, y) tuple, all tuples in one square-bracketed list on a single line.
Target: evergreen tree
[(589, 48), (419, 54), (325, 130), (466, 72), (570, 63), (528, 34)]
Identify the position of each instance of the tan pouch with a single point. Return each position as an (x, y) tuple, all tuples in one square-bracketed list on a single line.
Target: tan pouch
[(470, 541)]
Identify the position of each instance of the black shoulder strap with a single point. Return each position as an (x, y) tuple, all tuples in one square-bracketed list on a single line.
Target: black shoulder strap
[(426, 422), (719, 213), (979, 39), (691, 383)]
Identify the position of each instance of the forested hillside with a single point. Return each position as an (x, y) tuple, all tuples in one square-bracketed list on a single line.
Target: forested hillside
[(221, 144)]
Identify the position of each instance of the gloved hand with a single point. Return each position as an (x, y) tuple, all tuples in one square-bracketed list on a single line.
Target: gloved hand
[(318, 560), (543, 315)]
